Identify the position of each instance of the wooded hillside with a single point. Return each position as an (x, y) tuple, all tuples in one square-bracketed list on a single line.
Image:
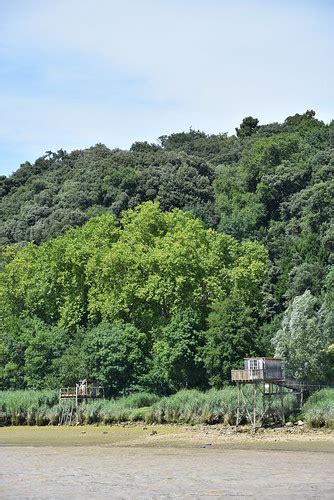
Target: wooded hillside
[(162, 266)]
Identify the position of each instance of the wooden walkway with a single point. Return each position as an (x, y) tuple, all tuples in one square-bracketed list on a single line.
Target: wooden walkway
[(301, 385)]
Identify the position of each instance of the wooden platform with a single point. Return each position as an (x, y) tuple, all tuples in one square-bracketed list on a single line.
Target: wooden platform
[(270, 377), (250, 376), (80, 394)]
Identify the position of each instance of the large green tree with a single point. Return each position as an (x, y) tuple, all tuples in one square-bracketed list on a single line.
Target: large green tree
[(248, 126), (306, 333), (177, 362), (145, 272), (116, 355), (231, 336)]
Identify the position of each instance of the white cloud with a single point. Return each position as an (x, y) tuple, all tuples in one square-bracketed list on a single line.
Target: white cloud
[(203, 63)]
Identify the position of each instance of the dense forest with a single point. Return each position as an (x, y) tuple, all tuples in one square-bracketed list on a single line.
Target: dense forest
[(161, 267)]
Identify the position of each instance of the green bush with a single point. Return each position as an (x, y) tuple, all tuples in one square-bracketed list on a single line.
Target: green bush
[(141, 415)]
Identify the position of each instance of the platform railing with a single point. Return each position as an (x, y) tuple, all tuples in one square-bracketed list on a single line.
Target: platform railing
[(68, 392), (81, 392), (246, 375)]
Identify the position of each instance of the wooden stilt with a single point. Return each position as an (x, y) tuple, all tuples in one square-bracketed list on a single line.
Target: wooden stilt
[(238, 408), (254, 406)]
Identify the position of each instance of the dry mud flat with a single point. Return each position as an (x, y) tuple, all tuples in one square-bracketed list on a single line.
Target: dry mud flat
[(164, 462)]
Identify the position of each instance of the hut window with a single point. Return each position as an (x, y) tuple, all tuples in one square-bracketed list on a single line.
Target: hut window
[(253, 364)]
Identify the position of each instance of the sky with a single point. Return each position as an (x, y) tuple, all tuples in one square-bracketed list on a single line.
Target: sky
[(77, 72)]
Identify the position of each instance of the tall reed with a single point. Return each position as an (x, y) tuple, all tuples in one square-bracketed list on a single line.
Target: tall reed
[(26, 407), (118, 410), (318, 410), (186, 406), (214, 406)]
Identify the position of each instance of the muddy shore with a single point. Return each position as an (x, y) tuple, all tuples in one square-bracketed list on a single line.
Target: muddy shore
[(295, 438), (165, 462)]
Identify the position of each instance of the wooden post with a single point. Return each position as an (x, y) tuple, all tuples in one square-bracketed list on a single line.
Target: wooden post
[(282, 404), (254, 407), (238, 408)]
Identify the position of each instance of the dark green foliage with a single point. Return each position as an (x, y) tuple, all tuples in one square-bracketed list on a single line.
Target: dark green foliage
[(231, 336), (116, 355), (176, 360), (248, 126), (37, 355), (59, 191)]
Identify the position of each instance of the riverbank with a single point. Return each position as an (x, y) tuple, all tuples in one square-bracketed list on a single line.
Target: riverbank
[(132, 435)]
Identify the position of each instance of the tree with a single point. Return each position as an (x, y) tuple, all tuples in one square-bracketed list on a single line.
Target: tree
[(44, 200), (241, 212), (115, 355), (248, 126), (231, 336), (15, 334), (69, 368), (164, 263), (44, 347), (306, 333), (49, 281), (176, 360), (29, 353), (144, 272), (303, 122)]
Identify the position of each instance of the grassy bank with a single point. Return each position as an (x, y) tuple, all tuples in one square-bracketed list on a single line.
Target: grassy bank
[(186, 406)]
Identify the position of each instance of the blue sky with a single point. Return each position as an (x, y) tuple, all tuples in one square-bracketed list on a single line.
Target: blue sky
[(77, 72)]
